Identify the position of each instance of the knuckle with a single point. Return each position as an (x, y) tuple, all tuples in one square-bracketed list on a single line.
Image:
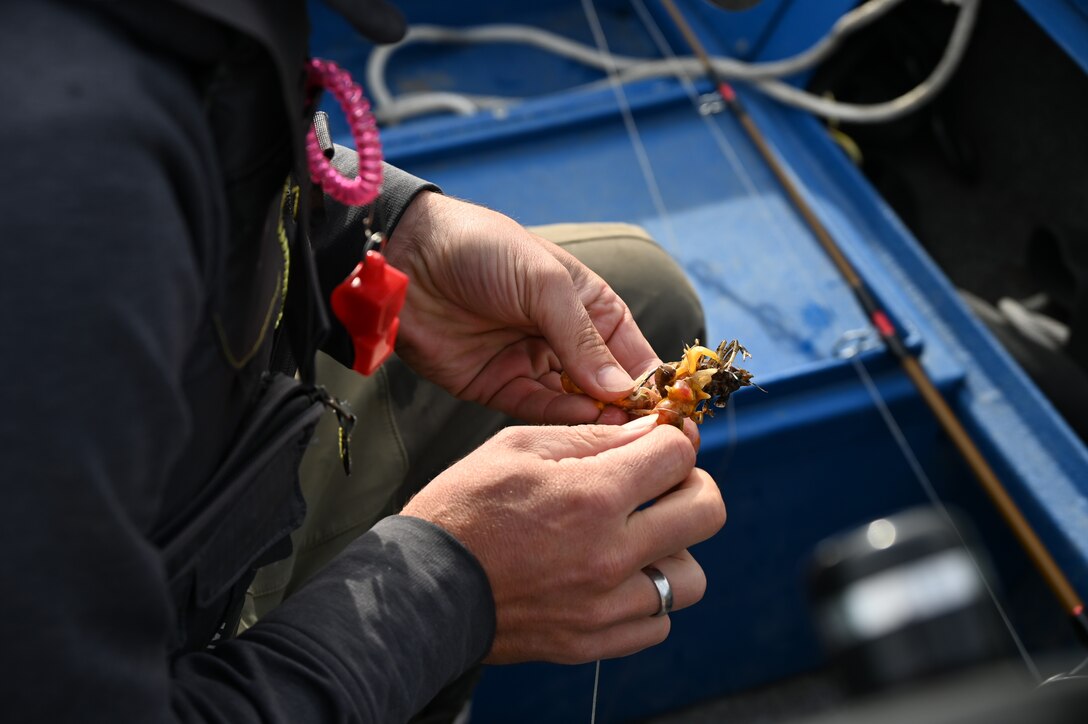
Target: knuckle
[(517, 438), (571, 647), (607, 568), (661, 631), (710, 505), (594, 501), (552, 277), (587, 337), (717, 509), (678, 446), (599, 614), (588, 436), (698, 584), (583, 649), (597, 501)]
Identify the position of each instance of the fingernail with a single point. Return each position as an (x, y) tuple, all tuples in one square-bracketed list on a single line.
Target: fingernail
[(613, 379), (648, 365)]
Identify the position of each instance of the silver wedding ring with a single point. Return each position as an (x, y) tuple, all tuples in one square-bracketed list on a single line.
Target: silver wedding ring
[(664, 590)]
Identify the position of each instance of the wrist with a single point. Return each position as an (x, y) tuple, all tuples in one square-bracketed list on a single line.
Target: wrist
[(413, 227)]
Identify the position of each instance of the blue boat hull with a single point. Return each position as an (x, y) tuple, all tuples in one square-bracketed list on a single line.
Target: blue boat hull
[(810, 456)]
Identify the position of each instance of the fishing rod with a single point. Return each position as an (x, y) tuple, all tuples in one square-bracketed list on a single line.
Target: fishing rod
[(893, 339)]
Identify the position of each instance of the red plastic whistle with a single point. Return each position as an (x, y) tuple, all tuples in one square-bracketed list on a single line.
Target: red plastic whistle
[(367, 304)]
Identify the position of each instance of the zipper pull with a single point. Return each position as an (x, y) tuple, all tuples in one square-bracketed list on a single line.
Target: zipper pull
[(345, 422)]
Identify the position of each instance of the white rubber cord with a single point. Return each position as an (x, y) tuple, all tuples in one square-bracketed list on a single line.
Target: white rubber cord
[(764, 76)]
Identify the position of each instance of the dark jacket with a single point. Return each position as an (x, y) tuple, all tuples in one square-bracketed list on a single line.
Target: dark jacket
[(148, 452)]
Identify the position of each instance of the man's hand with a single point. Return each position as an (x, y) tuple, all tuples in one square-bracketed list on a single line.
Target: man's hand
[(553, 515), (494, 313)]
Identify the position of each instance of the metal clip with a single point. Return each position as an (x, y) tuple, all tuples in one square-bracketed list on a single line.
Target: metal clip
[(711, 104), (853, 342), (372, 240)]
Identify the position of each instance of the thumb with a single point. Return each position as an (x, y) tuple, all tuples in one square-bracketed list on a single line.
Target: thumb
[(557, 442), (582, 352)]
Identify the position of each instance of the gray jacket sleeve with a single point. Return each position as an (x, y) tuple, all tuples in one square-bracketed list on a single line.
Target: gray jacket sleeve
[(338, 235), (398, 189), (399, 614)]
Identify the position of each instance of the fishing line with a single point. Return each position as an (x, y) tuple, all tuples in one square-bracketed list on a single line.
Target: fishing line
[(722, 142), (1069, 675), (741, 171), (892, 337), (596, 686), (851, 354), (746, 179), (752, 191), (651, 185), (725, 147), (629, 123)]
